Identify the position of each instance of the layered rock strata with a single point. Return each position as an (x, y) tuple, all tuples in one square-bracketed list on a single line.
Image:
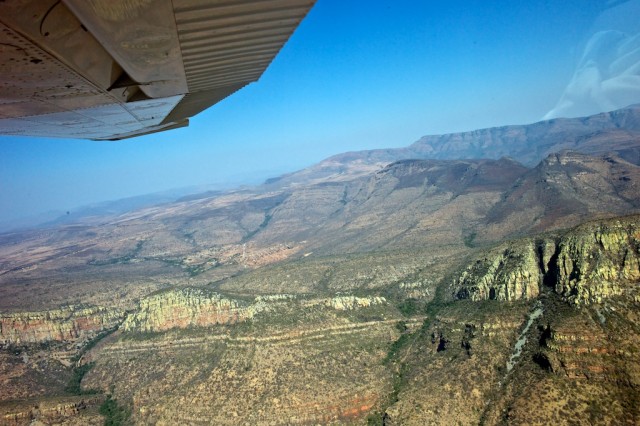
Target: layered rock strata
[(62, 410), (347, 303), (584, 265), (578, 352), (64, 324), (190, 307), (510, 273), (599, 260)]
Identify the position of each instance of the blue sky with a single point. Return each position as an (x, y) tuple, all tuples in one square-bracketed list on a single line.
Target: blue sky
[(355, 75)]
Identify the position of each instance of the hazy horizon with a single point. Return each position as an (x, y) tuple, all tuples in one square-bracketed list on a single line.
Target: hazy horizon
[(355, 76)]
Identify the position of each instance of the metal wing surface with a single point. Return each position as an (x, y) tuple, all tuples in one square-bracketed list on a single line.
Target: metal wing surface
[(114, 69)]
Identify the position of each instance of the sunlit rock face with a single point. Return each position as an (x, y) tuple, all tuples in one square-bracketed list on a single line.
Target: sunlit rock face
[(187, 308), (578, 349), (62, 410), (511, 273), (65, 324), (191, 307), (339, 305), (584, 265), (346, 303), (599, 261)]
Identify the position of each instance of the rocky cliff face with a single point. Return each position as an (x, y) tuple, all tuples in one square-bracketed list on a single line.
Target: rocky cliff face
[(189, 307), (70, 410), (348, 303), (193, 307), (574, 356), (65, 324), (445, 206), (599, 260), (584, 265), (510, 273), (578, 350)]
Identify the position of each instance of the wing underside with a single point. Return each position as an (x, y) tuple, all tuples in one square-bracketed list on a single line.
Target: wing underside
[(108, 70)]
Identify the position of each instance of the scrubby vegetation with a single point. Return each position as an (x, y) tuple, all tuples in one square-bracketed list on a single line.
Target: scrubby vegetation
[(115, 414), (74, 386)]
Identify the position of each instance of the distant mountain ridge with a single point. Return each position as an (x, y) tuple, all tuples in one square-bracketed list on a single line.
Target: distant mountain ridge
[(616, 131), (609, 132)]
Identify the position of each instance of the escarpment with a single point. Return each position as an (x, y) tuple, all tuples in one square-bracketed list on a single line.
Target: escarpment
[(584, 265), (585, 281), (60, 410), (337, 294), (64, 324), (577, 350), (570, 325), (194, 307), (345, 303), (189, 307)]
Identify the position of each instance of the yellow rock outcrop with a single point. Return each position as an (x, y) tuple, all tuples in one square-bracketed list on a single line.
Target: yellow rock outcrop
[(599, 260), (584, 265), (510, 273), (189, 307)]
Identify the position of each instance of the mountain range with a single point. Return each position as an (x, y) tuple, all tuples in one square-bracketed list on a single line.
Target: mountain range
[(457, 280)]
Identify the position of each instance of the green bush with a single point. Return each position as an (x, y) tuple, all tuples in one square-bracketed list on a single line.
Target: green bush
[(409, 307), (114, 414), (469, 240), (74, 386)]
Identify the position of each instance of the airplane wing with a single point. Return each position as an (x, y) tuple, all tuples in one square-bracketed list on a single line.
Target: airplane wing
[(114, 69)]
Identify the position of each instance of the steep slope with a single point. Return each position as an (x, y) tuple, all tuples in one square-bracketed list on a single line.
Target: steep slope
[(413, 203), (563, 190), (365, 215), (588, 264), (551, 336), (70, 324)]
